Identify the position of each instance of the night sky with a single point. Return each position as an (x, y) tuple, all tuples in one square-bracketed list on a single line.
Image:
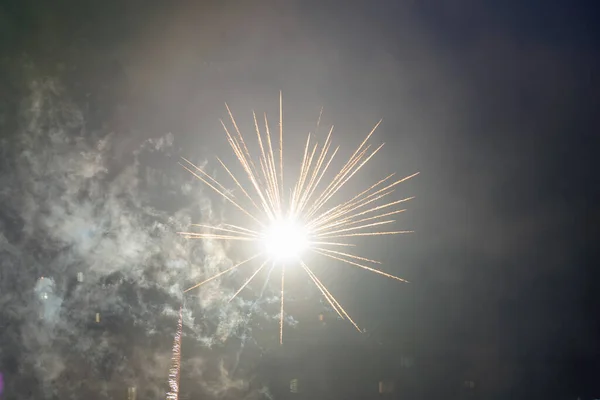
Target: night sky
[(495, 103)]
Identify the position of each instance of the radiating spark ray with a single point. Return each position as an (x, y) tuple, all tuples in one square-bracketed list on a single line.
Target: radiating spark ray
[(343, 213), (239, 229), (319, 121), (350, 165), (355, 198), (391, 185), (332, 244), (333, 186), (215, 236), (332, 297), (207, 234), (302, 190), (271, 191), (387, 188), (298, 186), (323, 292), (249, 168), (347, 255), (340, 175), (359, 149), (313, 180), (322, 174), (242, 209), (223, 272), (268, 170), (205, 174), (195, 235), (367, 138), (260, 145), (319, 164), (272, 158), (238, 184), (354, 228), (363, 266), (368, 234), (308, 168), (248, 281), (348, 220), (342, 208), (281, 137), (302, 166), (242, 229), (342, 183), (269, 194), (218, 228), (242, 141), (281, 309)]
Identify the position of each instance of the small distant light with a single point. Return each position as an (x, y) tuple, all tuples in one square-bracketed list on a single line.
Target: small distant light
[(131, 393), (45, 296), (470, 384), (321, 317), (294, 386), (98, 318), (386, 387), (406, 362), (80, 276)]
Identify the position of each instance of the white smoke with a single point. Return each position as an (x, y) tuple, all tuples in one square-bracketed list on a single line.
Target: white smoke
[(80, 214)]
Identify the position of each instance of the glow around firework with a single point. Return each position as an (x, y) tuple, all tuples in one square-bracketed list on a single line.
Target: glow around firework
[(287, 222)]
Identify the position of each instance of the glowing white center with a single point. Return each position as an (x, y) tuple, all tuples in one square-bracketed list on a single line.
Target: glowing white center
[(285, 239)]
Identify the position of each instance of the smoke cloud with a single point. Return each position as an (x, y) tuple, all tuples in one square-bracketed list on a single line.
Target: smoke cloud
[(92, 270)]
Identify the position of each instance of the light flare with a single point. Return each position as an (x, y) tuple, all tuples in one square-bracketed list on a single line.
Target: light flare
[(285, 239)]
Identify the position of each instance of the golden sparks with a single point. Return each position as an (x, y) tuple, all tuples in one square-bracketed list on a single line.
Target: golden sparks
[(304, 220)]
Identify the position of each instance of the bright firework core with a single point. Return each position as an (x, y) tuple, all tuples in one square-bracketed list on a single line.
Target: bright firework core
[(285, 240)]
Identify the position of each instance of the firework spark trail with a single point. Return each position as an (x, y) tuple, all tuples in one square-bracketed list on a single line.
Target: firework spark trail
[(321, 225), (249, 280), (337, 307), (222, 272), (174, 371), (281, 310)]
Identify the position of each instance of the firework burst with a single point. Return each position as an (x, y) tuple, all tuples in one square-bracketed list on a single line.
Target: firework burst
[(287, 222)]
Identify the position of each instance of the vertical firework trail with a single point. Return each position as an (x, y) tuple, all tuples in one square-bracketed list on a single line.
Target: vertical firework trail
[(174, 371)]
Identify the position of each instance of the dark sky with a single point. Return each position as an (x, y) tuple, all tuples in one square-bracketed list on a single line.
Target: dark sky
[(493, 102)]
